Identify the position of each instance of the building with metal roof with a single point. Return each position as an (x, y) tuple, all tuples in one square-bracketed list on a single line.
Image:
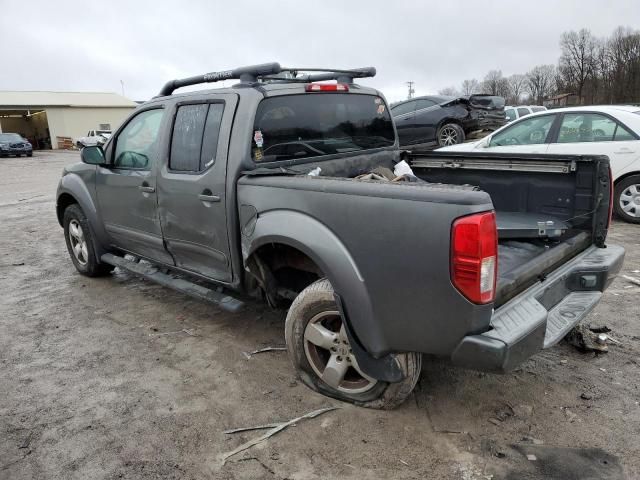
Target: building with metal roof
[(56, 119)]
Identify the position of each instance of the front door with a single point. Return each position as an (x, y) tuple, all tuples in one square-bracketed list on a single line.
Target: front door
[(529, 135), (126, 189), (191, 187)]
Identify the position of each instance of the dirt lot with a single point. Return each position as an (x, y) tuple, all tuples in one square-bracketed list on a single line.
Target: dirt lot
[(99, 380)]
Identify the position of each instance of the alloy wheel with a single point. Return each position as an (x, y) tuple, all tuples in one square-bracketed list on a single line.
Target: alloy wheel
[(329, 353), (448, 136), (78, 242)]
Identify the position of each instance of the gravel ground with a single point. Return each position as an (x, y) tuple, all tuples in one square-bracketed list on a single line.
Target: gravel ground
[(98, 379)]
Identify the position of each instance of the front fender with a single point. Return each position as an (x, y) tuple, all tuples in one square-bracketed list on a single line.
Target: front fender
[(74, 185), (320, 244)]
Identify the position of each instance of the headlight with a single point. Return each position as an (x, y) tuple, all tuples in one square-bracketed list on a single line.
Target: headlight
[(3, 146)]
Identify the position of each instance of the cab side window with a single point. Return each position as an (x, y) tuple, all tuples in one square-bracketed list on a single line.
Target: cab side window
[(136, 144), (194, 142), (510, 113)]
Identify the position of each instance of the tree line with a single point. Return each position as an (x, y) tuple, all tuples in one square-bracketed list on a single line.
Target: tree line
[(596, 70)]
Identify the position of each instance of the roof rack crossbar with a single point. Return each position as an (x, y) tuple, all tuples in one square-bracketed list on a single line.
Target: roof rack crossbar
[(252, 73), (244, 74)]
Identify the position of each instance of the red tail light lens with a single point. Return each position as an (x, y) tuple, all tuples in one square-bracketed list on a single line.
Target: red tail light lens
[(474, 256), (327, 87)]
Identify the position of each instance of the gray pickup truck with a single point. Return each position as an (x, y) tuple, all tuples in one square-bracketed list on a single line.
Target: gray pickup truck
[(278, 188)]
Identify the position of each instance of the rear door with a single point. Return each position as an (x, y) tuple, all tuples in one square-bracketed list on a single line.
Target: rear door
[(597, 134), (191, 186)]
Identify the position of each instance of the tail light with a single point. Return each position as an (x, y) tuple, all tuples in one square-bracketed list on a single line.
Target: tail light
[(611, 190), (474, 256), (327, 87)]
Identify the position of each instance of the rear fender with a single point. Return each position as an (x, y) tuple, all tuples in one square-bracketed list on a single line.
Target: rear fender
[(327, 251)]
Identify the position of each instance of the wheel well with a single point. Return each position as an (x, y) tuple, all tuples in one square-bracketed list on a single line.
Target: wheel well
[(282, 271), (448, 120), (625, 176), (63, 202)]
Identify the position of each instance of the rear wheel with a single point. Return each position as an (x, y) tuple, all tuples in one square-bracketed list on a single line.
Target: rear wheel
[(450, 134), (79, 239), (321, 354), (626, 200)]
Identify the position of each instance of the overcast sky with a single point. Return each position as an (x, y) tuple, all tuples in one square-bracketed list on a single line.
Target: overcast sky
[(92, 45)]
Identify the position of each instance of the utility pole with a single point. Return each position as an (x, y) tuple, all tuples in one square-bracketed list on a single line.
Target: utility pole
[(411, 90)]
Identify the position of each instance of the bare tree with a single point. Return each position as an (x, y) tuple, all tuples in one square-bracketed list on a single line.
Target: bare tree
[(517, 85), (495, 84), (577, 59), (449, 92), (540, 82), (470, 86)]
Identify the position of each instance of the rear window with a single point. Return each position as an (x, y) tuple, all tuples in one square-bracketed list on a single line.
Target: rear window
[(538, 109), (315, 124)]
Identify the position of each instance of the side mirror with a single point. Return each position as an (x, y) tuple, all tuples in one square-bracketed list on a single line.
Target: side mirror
[(93, 155)]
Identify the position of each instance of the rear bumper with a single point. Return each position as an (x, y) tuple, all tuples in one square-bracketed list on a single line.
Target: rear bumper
[(488, 122), (542, 315)]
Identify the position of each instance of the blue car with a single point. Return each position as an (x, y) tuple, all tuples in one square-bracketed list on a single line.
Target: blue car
[(14, 144)]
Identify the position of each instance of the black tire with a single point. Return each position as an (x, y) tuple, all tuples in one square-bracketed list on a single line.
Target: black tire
[(450, 134), (90, 267), (30, 154), (623, 190), (315, 300)]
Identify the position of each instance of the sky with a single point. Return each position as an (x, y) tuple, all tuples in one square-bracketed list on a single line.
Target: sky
[(94, 45)]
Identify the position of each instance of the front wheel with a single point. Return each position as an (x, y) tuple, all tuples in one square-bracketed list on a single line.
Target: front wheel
[(450, 134), (626, 201), (321, 354), (79, 239)]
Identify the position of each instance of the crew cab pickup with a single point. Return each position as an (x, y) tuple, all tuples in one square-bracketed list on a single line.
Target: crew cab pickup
[(282, 188)]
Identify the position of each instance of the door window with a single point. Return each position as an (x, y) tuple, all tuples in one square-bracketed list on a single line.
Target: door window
[(510, 113), (403, 108), (424, 103), (589, 127), (522, 112), (194, 142), (136, 143), (531, 131)]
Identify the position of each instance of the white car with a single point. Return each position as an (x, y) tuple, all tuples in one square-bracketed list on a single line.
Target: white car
[(514, 113), (613, 131), (94, 137)]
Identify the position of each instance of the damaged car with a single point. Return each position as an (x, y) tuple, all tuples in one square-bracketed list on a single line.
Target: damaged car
[(292, 191), (438, 120)]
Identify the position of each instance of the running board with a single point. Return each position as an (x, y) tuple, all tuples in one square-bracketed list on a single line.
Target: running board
[(150, 272)]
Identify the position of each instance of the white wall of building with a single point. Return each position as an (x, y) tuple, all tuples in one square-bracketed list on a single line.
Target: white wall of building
[(75, 122)]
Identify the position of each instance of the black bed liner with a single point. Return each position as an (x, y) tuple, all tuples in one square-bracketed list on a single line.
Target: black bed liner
[(523, 263)]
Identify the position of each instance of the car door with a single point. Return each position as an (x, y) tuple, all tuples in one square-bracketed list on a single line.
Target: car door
[(191, 186), (427, 116), (404, 118), (597, 134), (126, 187), (527, 135)]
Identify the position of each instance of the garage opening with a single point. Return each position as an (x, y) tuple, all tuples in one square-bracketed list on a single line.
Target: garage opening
[(31, 124)]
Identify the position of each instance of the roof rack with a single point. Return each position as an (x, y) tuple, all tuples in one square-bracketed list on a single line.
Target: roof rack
[(270, 72)]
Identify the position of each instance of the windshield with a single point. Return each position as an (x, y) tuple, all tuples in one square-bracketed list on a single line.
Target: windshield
[(316, 124), (10, 137)]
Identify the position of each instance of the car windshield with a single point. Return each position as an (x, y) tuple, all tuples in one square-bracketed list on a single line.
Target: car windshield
[(10, 137), (301, 126)]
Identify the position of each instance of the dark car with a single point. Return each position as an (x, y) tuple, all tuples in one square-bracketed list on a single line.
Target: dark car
[(439, 121), (14, 144)]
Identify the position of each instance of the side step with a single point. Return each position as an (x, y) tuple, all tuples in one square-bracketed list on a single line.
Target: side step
[(150, 272)]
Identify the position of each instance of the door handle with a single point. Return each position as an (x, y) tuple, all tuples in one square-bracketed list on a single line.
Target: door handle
[(624, 150), (146, 189), (209, 198)]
